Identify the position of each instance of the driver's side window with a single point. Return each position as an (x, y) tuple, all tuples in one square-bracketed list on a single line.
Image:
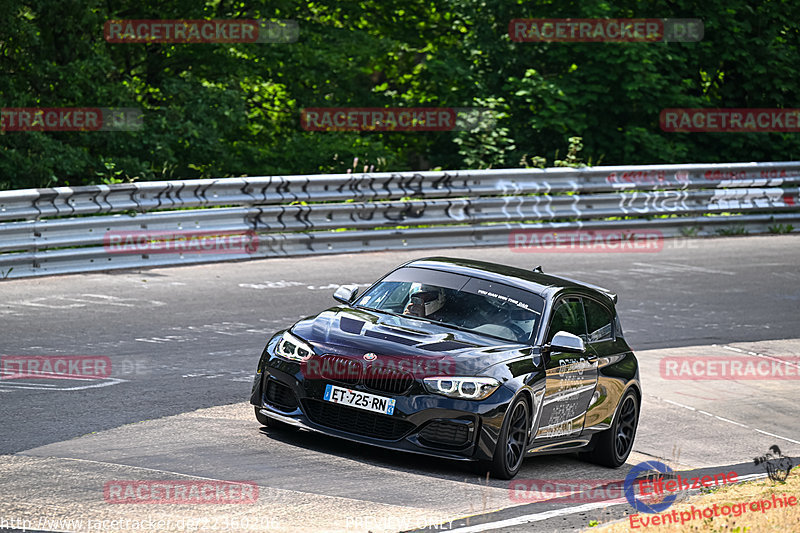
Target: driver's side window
[(567, 316)]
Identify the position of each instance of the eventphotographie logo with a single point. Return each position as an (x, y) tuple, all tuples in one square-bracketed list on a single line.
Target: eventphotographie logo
[(648, 470), (659, 486)]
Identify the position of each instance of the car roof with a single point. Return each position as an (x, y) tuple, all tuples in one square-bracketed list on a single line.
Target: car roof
[(531, 280)]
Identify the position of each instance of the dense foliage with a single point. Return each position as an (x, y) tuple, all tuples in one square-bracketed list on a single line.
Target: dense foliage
[(213, 110)]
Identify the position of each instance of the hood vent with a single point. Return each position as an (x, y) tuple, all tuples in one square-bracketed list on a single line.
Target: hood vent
[(392, 338), (351, 325), (445, 346)]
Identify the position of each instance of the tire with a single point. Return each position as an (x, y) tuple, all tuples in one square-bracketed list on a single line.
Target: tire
[(612, 446), (270, 422), (513, 441)]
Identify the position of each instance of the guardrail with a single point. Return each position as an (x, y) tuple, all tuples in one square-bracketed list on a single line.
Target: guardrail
[(79, 229)]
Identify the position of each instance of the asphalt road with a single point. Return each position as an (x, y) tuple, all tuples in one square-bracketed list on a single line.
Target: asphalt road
[(188, 338)]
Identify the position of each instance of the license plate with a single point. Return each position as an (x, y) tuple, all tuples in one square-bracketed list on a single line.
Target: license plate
[(359, 400)]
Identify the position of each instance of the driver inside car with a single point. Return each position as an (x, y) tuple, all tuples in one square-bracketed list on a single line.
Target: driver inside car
[(425, 301)]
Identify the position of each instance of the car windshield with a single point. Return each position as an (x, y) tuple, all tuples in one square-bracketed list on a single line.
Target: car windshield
[(472, 304)]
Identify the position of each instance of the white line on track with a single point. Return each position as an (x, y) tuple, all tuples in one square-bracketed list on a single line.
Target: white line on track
[(689, 407), (777, 436), (729, 421), (538, 517), (24, 384), (43, 386), (678, 404), (762, 355)]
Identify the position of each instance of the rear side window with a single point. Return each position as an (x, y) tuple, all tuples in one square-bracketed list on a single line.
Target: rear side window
[(567, 316), (599, 321)]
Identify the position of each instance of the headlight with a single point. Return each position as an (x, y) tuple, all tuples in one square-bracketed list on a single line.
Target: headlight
[(466, 388), (293, 348)]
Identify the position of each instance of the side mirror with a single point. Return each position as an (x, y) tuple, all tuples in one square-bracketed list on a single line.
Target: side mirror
[(345, 293), (567, 342)]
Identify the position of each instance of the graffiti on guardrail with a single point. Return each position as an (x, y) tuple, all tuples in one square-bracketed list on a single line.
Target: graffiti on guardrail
[(346, 213)]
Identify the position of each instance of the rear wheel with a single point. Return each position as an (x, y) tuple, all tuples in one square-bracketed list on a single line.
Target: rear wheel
[(513, 441), (612, 446)]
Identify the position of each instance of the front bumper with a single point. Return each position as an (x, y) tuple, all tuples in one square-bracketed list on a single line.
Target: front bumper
[(422, 422)]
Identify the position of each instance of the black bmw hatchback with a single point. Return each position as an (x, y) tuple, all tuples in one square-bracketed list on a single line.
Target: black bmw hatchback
[(462, 360)]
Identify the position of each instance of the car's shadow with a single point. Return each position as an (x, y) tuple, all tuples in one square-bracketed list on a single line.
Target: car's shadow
[(562, 466)]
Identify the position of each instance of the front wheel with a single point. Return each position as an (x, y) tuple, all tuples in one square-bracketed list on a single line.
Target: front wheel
[(513, 441), (612, 446)]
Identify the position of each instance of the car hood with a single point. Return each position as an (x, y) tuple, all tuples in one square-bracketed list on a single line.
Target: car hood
[(353, 332)]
